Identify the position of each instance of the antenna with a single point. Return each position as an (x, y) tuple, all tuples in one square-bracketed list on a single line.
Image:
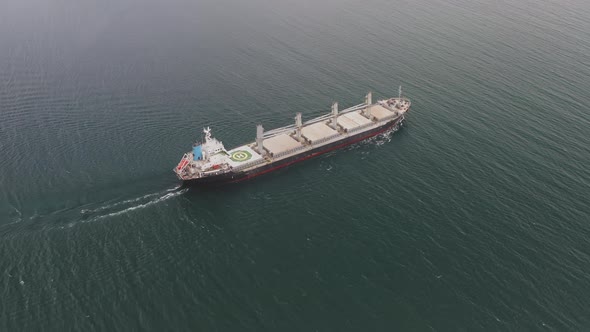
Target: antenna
[(368, 102), (207, 132), (335, 115), (259, 137), (298, 124)]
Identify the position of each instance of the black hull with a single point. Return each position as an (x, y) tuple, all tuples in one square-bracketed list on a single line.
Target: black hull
[(267, 168)]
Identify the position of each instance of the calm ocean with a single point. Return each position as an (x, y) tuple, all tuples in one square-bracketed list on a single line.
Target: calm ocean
[(475, 216)]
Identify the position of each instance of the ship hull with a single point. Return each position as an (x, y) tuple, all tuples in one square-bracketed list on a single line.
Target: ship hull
[(232, 177)]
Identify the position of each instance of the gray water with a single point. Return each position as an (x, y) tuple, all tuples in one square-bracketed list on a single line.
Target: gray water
[(472, 217)]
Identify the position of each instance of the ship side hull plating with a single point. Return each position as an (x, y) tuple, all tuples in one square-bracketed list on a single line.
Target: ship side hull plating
[(231, 177)]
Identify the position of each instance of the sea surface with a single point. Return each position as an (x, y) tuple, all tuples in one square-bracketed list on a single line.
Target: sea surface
[(475, 216)]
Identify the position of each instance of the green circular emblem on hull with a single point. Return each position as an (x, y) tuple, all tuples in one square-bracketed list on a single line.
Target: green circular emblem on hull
[(240, 155)]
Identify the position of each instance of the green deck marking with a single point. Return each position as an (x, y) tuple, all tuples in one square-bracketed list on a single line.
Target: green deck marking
[(240, 155)]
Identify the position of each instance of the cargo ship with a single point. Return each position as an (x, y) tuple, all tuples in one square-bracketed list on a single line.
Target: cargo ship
[(210, 163)]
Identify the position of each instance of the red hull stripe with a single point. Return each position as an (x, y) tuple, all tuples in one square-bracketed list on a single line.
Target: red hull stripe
[(314, 154)]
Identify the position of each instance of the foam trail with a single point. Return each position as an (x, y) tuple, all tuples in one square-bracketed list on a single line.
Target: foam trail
[(17, 218), (127, 201), (165, 197)]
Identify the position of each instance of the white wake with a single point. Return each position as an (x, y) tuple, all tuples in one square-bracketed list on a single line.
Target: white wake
[(128, 205)]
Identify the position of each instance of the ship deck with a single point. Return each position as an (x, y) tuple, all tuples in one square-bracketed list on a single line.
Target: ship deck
[(380, 112), (243, 156), (281, 143), (317, 131)]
